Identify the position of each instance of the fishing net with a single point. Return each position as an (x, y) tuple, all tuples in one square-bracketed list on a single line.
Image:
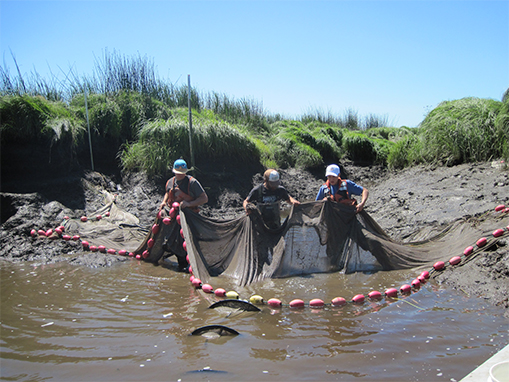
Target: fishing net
[(316, 237)]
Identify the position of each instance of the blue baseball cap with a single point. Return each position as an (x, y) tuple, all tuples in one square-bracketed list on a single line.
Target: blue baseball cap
[(180, 166)]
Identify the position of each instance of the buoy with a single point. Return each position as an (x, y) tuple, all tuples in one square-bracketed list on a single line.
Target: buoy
[(506, 210), (500, 207), (150, 243), (338, 301), (391, 292), (166, 221), (93, 248), (155, 229), (58, 230), (131, 254), (182, 233), (405, 289), (191, 278), (76, 237), (145, 254), (232, 294), (111, 251), (455, 260), (101, 248), (175, 205), (421, 279), (274, 303), (358, 299), (297, 303), (173, 212), (41, 232), (256, 299), (61, 228), (498, 232), (375, 295), (107, 214), (84, 244), (84, 218), (98, 217), (66, 217), (207, 288), (122, 252), (425, 274), (138, 256), (439, 265), (316, 303), (178, 219), (468, 251), (196, 283), (33, 232), (159, 215), (416, 284), (190, 269), (187, 258), (220, 292), (184, 245), (49, 232), (481, 242), (66, 237)]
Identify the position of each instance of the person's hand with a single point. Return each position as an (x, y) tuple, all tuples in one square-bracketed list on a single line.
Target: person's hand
[(161, 206), (359, 207), (184, 204), (250, 207)]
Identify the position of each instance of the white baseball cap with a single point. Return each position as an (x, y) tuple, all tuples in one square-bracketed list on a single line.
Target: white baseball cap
[(332, 170), (274, 176)]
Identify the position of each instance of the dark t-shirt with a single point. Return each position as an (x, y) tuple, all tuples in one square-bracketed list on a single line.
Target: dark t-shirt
[(189, 185), (266, 195)]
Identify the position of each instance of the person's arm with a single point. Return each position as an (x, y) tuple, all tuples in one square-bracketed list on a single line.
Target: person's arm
[(292, 200), (202, 199), (365, 194), (320, 195), (163, 203)]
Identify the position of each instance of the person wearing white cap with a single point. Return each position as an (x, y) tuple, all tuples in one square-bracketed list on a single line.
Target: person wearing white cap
[(184, 189), (267, 196), (340, 190)]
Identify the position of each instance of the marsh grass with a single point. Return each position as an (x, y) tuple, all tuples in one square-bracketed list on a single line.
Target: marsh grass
[(146, 120)]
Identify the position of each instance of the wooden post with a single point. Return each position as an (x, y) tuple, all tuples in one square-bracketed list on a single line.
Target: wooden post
[(88, 126), (190, 119)]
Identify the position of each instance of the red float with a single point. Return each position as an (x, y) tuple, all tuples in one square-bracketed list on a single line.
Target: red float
[(499, 232), (207, 288), (439, 265), (481, 242), (155, 229), (93, 248), (98, 217), (468, 251), (338, 301), (101, 248), (191, 278), (150, 243), (66, 237), (182, 233), (84, 218), (61, 228), (107, 214), (190, 269), (41, 232), (49, 232), (159, 214), (138, 257), (421, 279), (76, 237), (122, 252), (111, 251), (316, 303), (220, 292), (145, 254), (131, 254), (297, 303), (416, 284), (391, 292), (178, 219), (425, 274), (406, 289), (375, 295), (33, 232), (455, 260), (196, 283), (500, 207), (166, 221), (85, 244), (184, 245), (175, 205), (358, 299), (58, 230), (274, 303), (173, 212)]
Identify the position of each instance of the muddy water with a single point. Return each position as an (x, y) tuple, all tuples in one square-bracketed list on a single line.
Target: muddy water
[(132, 322)]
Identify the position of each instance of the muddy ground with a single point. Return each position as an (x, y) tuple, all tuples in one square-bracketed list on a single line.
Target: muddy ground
[(409, 205)]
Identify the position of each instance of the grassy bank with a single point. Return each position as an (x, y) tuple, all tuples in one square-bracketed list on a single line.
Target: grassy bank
[(145, 121)]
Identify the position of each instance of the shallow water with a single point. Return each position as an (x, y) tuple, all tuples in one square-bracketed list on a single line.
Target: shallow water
[(133, 321)]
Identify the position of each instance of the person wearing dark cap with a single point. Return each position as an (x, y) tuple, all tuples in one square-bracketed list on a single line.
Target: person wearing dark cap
[(184, 189), (267, 197), (341, 190)]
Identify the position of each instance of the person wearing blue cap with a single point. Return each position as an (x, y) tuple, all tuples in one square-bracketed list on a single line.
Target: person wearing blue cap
[(340, 190), (267, 196), (184, 189)]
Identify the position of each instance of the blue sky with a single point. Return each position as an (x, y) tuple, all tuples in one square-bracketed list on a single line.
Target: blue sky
[(395, 59)]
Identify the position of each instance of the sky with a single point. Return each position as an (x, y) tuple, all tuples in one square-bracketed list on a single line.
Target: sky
[(393, 59)]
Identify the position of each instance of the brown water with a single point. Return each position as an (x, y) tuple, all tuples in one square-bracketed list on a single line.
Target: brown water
[(132, 322)]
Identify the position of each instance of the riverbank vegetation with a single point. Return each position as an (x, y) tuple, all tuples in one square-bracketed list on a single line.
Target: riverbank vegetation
[(145, 121)]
